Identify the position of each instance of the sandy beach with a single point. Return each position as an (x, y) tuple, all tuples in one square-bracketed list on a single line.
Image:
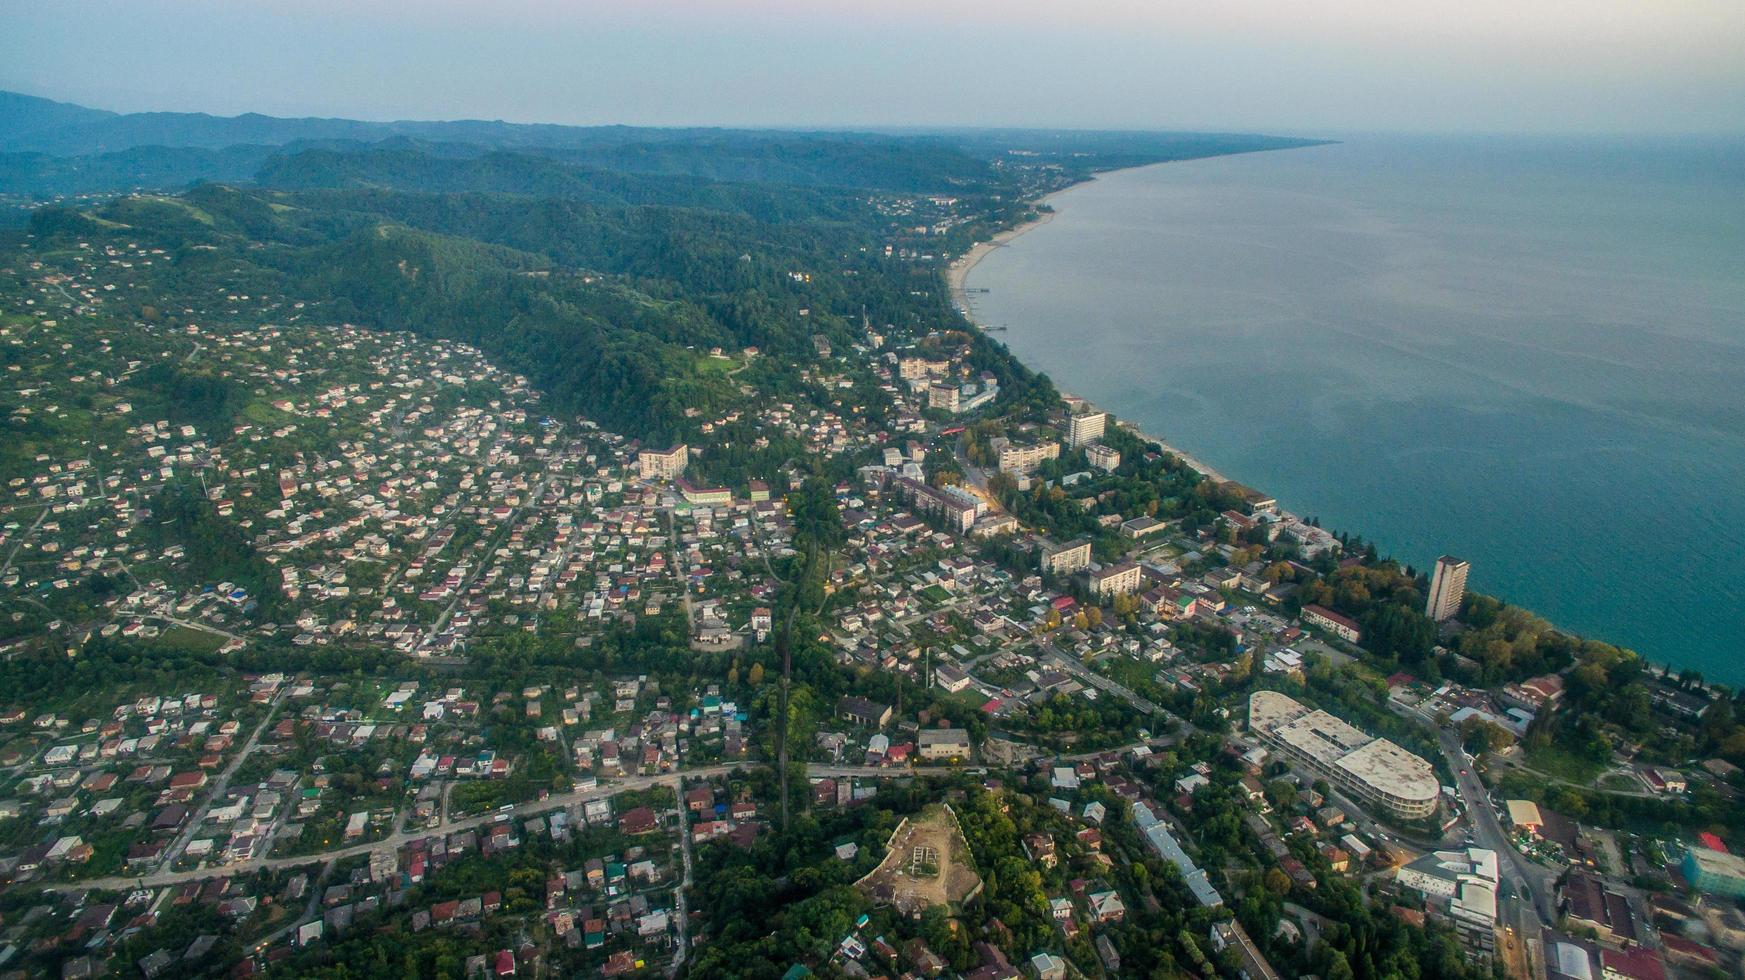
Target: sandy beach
[(957, 274), (1197, 465), (958, 271)]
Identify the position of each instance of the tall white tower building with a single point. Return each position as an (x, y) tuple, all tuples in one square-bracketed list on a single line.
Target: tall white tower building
[(1447, 588)]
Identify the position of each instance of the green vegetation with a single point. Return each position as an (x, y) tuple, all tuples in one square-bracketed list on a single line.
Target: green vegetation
[(216, 550)]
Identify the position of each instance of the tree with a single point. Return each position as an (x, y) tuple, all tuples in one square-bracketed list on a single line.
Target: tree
[(817, 529)]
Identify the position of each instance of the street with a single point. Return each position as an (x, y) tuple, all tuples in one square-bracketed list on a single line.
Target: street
[(556, 801)]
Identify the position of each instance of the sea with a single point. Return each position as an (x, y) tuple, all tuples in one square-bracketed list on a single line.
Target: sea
[(1527, 353)]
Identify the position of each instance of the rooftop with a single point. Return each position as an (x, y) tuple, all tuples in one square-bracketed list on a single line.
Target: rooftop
[(1377, 762)]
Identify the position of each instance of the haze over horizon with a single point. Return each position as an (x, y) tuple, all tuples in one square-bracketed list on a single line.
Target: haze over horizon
[(1556, 67)]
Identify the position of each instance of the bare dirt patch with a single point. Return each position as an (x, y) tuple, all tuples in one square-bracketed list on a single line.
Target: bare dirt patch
[(927, 862)]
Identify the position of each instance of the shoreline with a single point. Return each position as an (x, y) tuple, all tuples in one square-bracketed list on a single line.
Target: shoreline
[(958, 270), (957, 273), (957, 278)]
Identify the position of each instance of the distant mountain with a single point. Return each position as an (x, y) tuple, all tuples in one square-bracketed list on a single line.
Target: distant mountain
[(21, 115), (29, 124), (406, 165), (76, 131), (52, 150), (845, 161), (147, 167)]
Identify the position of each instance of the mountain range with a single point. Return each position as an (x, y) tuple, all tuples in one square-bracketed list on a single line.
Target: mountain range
[(52, 149)]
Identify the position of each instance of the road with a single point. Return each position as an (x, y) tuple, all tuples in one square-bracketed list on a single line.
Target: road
[(678, 570), (222, 783), (1526, 905), (681, 894), (556, 801), (310, 910), (197, 625), (40, 517), (1074, 667), (488, 555), (1516, 763)]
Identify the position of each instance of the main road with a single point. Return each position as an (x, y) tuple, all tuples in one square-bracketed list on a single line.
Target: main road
[(1524, 907), (556, 801)]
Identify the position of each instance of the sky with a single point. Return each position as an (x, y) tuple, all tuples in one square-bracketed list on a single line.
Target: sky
[(1299, 67)]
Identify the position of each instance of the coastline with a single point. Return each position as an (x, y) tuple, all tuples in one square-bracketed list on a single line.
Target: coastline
[(958, 270), (957, 277)]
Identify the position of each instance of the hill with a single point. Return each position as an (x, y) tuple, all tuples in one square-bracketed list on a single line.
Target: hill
[(52, 148), (600, 262)]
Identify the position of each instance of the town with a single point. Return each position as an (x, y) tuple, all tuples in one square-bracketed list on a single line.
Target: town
[(331, 646)]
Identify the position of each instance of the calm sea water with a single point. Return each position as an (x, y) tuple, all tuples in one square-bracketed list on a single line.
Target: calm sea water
[(1527, 354)]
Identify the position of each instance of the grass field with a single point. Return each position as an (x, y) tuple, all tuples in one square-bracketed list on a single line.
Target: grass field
[(710, 364), (185, 638), (1555, 762)]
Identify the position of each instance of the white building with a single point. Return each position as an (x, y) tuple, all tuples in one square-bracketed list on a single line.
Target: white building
[(1103, 458), (1374, 769), (1085, 428), (943, 743), (1066, 558), (1461, 885), (1447, 588), (669, 465)]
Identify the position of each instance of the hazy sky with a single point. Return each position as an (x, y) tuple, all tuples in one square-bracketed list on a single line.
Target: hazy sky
[(1296, 66)]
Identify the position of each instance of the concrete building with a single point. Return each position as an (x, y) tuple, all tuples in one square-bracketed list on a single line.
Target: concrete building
[(1103, 458), (1461, 885), (657, 465), (943, 396), (1589, 904), (1064, 559), (911, 368), (1167, 847), (704, 496), (1142, 527), (943, 743), (860, 711), (993, 525), (960, 508), (1447, 588), (1047, 966), (950, 678), (1715, 872), (1025, 459), (1375, 770), (1229, 934), (1341, 626), (1085, 428), (1121, 578)]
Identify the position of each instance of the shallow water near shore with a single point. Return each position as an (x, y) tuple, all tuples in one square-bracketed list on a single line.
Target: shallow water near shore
[(1528, 353)]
